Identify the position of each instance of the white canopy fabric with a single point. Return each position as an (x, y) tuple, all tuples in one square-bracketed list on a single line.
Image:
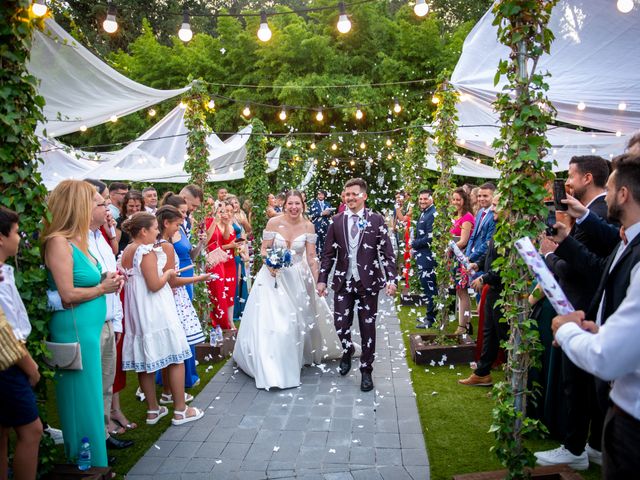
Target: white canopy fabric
[(594, 59), (158, 155), (465, 167), (79, 88)]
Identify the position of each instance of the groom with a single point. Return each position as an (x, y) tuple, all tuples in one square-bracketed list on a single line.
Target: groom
[(358, 242)]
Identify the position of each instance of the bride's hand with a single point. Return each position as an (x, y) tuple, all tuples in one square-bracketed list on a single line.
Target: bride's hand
[(321, 288), (272, 271)]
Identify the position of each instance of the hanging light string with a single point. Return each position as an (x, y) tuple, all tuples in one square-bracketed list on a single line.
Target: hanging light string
[(346, 85)]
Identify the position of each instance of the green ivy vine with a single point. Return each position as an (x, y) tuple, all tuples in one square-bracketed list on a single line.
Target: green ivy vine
[(21, 187), (524, 114), (444, 138)]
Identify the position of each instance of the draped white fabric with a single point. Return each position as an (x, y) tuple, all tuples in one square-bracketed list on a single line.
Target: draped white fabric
[(593, 60), (158, 155), (79, 88), (465, 167)]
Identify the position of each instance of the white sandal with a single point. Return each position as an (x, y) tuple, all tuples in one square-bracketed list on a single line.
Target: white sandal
[(180, 421), (161, 412), (167, 398)]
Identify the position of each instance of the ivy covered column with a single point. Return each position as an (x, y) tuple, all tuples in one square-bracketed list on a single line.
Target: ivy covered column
[(524, 113), (444, 138), (21, 187)]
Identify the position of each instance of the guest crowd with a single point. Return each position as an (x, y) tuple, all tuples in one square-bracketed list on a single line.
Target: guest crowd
[(121, 265)]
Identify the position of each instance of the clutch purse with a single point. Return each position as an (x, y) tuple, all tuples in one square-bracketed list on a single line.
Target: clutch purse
[(11, 349), (65, 356)]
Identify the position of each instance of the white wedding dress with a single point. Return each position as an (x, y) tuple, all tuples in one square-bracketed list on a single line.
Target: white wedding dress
[(286, 327)]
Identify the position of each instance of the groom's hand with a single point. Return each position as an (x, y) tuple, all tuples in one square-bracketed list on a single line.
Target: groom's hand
[(391, 289), (321, 288)]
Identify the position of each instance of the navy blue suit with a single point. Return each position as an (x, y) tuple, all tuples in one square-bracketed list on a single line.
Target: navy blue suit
[(320, 223), (424, 259), (482, 233)]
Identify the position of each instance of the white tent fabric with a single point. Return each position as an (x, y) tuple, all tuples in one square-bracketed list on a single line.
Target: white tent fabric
[(79, 88), (593, 60), (465, 167), (158, 155)]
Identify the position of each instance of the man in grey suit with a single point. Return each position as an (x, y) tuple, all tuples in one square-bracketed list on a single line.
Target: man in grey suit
[(421, 246)]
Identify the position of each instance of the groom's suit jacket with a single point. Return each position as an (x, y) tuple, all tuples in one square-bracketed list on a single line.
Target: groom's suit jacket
[(375, 259)]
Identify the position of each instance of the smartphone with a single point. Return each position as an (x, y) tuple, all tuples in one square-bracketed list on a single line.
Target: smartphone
[(550, 222), (240, 239), (559, 193)]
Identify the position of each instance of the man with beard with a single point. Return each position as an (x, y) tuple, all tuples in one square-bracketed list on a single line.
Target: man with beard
[(608, 347), (581, 439)]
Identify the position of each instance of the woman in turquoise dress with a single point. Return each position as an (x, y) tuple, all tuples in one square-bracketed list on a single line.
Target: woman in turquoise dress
[(76, 275)]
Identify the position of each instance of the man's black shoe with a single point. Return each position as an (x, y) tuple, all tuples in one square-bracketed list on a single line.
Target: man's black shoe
[(345, 363), (420, 325), (366, 384), (118, 444), (111, 461)]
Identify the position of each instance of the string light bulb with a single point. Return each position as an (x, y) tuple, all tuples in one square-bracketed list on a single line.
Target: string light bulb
[(211, 104), (319, 115), (264, 32), (625, 6), (618, 133), (110, 24), (39, 8), (435, 100), (388, 142), (462, 141), (283, 114), (334, 147), (389, 157), (246, 111), (185, 34), (352, 163), (152, 112), (113, 119), (581, 106), (313, 145), (183, 105), (421, 8), (344, 24), (396, 105), (333, 163), (83, 128), (622, 106), (289, 144), (363, 145), (359, 113)]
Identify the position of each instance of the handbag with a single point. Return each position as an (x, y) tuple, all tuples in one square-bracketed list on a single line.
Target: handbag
[(65, 356), (11, 349)]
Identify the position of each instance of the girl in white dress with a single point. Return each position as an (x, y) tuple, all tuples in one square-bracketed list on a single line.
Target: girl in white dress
[(286, 327), (154, 338)]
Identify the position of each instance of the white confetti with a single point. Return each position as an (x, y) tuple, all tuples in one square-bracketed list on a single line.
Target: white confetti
[(276, 448)]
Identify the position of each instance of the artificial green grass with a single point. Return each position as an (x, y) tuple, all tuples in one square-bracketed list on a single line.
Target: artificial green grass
[(456, 418), (145, 435)]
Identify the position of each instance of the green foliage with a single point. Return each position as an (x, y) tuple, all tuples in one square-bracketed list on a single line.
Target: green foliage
[(293, 168), (21, 187), (524, 113), (444, 138), (257, 185)]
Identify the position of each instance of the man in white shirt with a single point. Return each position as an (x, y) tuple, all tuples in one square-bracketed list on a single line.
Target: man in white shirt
[(608, 348)]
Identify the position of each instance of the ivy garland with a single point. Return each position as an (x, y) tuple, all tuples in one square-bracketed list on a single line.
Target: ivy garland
[(21, 187), (524, 113), (257, 185), (444, 137)]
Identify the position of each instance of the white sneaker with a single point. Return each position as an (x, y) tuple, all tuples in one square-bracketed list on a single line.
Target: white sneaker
[(560, 456), (140, 395), (55, 434), (595, 456)]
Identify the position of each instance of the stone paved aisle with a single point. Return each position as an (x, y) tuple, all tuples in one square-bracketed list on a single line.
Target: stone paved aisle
[(326, 429)]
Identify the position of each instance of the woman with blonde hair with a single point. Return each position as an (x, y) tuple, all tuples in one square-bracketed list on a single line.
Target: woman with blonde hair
[(77, 276)]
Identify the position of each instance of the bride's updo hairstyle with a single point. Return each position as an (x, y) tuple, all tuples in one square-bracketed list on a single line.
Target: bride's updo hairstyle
[(294, 193), (167, 213), (139, 220)]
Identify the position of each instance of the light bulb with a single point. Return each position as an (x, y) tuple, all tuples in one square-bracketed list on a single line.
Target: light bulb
[(183, 105), (264, 33), (113, 119), (622, 106), (289, 143), (388, 142), (359, 114), (152, 112), (421, 8), (389, 157), (83, 128), (363, 145), (625, 6), (334, 147), (463, 97), (313, 145), (618, 133), (352, 163), (593, 150), (315, 162), (282, 115), (333, 163), (319, 115), (211, 104), (581, 106), (39, 8), (110, 25), (435, 100), (344, 24), (478, 160), (185, 34), (462, 141), (396, 106), (246, 111)]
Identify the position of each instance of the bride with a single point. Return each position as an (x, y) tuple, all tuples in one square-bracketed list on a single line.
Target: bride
[(286, 326)]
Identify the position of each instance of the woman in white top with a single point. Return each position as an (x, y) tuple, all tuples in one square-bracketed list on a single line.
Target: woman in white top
[(288, 326)]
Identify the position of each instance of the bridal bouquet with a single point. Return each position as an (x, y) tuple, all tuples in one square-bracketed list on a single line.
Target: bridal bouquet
[(278, 258)]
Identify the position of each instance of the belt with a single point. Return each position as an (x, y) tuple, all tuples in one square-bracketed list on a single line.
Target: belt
[(618, 411)]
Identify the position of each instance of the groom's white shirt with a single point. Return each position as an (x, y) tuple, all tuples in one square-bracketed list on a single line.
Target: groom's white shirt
[(353, 244)]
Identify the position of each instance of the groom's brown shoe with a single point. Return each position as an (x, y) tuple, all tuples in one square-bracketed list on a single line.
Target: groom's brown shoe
[(366, 384), (345, 363)]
